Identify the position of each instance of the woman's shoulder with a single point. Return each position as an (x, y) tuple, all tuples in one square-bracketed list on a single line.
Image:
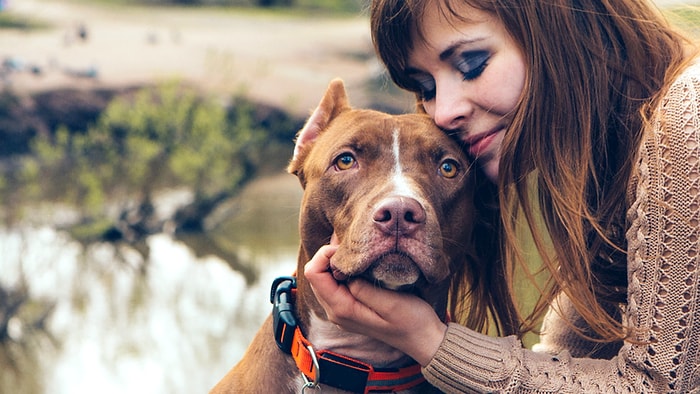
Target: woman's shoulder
[(692, 68), (676, 117), (680, 101), (687, 80)]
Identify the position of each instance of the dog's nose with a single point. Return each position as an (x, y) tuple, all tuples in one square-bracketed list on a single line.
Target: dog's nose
[(399, 215)]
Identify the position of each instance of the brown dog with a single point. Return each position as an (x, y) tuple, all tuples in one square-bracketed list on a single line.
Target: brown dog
[(396, 194)]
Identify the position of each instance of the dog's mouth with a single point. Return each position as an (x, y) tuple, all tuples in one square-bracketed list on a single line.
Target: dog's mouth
[(394, 271)]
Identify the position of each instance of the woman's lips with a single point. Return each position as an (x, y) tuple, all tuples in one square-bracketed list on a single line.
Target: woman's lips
[(479, 144)]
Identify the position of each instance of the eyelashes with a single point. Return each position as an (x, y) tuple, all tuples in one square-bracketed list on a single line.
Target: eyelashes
[(425, 88), (471, 64)]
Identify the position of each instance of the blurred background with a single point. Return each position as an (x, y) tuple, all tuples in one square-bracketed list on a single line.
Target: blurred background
[(144, 203)]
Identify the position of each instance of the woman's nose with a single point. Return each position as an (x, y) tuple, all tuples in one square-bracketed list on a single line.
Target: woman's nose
[(452, 107)]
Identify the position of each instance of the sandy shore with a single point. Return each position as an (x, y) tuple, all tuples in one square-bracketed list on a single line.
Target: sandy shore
[(286, 61)]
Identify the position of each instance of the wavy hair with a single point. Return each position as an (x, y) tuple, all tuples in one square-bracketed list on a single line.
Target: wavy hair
[(596, 69)]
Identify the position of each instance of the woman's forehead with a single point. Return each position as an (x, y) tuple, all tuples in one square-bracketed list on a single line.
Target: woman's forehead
[(440, 31), (438, 13)]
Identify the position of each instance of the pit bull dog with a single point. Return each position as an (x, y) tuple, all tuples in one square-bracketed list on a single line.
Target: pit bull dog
[(395, 193)]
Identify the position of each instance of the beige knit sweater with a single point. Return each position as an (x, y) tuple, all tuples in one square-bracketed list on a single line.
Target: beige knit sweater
[(663, 292)]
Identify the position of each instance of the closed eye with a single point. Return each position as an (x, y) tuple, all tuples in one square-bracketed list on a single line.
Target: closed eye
[(424, 86), (472, 63)]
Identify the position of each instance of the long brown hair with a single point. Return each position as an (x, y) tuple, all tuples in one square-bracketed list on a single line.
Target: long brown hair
[(595, 71)]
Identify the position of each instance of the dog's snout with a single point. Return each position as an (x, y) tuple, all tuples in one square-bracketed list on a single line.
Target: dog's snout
[(399, 215)]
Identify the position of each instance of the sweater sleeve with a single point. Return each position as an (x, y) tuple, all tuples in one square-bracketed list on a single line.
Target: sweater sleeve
[(663, 310)]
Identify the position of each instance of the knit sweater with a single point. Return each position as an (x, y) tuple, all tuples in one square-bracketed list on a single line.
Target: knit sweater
[(663, 308)]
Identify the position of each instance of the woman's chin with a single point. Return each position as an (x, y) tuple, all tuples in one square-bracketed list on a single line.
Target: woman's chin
[(490, 168)]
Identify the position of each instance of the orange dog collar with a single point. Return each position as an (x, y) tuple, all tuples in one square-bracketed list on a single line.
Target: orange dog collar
[(327, 367)]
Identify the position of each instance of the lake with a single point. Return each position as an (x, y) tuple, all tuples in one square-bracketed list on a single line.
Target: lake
[(172, 322)]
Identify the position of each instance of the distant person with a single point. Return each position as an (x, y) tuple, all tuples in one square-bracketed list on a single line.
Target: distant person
[(82, 32)]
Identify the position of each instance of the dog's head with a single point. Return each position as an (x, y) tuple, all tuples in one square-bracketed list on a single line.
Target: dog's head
[(392, 191)]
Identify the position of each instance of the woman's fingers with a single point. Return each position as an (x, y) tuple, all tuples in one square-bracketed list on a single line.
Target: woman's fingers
[(319, 276), (321, 261), (384, 301), (332, 296), (401, 320), (335, 298)]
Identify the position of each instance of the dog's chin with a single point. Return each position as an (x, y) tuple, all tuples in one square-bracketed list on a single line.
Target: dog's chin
[(412, 288), (393, 271)]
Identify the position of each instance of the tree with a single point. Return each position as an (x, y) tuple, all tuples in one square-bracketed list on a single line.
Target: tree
[(147, 142)]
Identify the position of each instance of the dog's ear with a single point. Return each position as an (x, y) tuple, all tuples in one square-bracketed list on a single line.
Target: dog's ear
[(333, 103)]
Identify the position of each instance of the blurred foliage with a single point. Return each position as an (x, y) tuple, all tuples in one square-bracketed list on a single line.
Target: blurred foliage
[(146, 141), (13, 21), (23, 336), (686, 17), (142, 143)]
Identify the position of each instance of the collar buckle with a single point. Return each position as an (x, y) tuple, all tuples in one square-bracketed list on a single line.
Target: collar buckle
[(284, 322)]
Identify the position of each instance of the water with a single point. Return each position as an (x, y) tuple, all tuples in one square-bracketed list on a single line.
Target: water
[(120, 322)]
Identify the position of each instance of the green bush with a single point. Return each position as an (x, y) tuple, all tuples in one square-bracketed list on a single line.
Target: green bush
[(12, 21), (686, 17), (151, 140)]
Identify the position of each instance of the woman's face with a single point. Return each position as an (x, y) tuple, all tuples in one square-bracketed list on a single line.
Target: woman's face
[(471, 75)]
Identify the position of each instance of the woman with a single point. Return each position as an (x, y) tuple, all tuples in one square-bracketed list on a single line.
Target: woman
[(587, 111)]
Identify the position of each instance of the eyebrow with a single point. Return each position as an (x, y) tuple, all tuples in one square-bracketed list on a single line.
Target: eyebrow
[(447, 53)]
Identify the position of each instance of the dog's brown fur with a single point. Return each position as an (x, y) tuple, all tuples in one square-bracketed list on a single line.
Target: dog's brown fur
[(405, 231)]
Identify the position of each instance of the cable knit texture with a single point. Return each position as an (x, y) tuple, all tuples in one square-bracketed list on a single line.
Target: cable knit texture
[(663, 308)]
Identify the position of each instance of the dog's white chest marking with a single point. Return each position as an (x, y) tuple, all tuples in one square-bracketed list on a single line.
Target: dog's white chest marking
[(402, 185), (324, 334)]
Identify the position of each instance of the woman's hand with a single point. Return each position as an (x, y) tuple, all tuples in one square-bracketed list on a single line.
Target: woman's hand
[(401, 320)]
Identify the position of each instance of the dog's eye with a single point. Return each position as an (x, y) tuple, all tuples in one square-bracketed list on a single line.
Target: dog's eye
[(345, 161), (449, 168)]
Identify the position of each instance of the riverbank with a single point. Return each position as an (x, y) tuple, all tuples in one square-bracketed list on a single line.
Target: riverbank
[(285, 61)]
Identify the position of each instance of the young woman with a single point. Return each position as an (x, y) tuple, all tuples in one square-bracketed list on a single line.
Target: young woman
[(588, 113)]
